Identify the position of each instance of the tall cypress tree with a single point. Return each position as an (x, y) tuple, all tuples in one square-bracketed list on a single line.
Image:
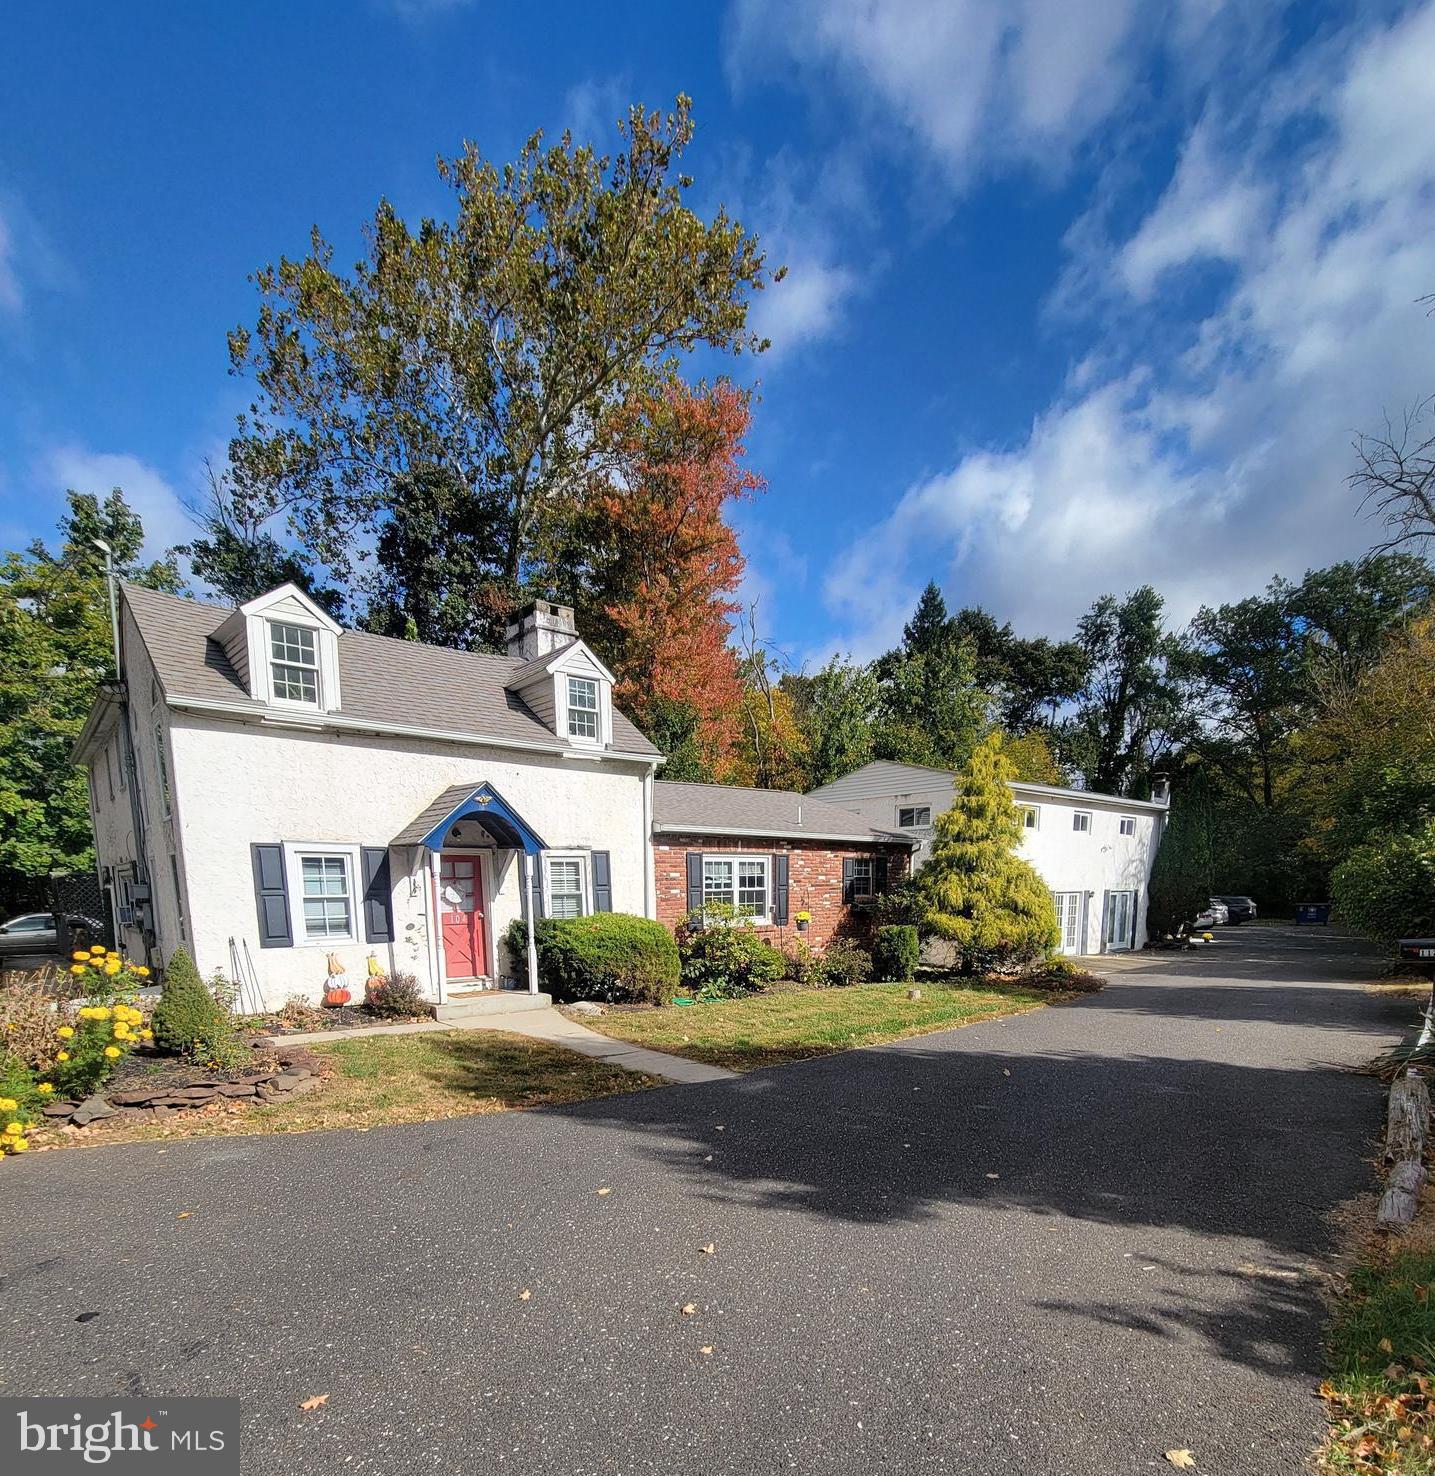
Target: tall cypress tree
[(976, 891)]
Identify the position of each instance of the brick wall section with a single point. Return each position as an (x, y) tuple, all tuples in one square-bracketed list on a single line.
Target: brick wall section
[(814, 880)]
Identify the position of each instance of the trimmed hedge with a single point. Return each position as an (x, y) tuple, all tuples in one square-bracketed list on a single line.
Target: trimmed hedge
[(895, 951), (610, 956)]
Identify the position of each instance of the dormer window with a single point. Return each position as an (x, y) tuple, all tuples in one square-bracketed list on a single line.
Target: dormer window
[(584, 713), (294, 663)]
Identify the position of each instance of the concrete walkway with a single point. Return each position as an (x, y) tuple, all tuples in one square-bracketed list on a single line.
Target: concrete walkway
[(550, 1025)]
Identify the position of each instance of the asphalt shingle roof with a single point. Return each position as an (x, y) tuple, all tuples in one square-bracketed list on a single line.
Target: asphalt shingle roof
[(381, 680), (699, 808)]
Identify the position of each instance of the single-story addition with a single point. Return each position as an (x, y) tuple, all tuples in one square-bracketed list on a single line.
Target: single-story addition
[(801, 867), (1094, 851), (268, 789)]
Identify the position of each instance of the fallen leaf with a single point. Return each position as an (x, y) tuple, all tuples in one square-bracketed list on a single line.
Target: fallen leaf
[(1386, 1346), (1005, 1072), (689, 1309), (1183, 1460), (182, 1215), (708, 1249), (707, 1350), (993, 1176), (605, 1190), (524, 1295), (314, 1401)]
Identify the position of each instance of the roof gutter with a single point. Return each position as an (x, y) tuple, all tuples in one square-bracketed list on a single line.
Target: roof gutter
[(109, 699), (320, 722), (777, 833)]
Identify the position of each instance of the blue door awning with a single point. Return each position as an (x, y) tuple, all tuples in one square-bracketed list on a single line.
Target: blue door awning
[(480, 803)]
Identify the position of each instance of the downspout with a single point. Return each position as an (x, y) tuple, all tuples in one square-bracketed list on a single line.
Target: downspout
[(145, 873), (528, 916), (649, 874)]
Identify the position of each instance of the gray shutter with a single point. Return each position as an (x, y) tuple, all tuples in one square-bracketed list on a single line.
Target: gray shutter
[(536, 882), (695, 881), (879, 875), (1135, 907), (602, 883), (779, 887), (849, 880), (1105, 923), (378, 895), (271, 897)]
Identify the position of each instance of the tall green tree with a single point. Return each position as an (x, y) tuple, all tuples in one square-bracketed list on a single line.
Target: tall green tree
[(836, 708), (55, 648), (487, 350), (976, 891), (235, 555), (1132, 710), (1030, 679), (931, 709)]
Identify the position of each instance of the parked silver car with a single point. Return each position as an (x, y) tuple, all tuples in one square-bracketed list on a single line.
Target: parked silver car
[(1215, 916), (34, 934), (1241, 909)]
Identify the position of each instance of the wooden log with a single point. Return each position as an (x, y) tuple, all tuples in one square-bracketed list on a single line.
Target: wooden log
[(1408, 1120), (1402, 1193)]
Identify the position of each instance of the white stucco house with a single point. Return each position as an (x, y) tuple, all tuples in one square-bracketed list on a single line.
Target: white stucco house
[(1094, 851), (268, 789)]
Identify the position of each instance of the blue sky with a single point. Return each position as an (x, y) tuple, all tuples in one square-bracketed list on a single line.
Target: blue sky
[(1082, 293)]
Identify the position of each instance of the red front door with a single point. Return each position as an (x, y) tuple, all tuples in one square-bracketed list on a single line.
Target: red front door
[(460, 902)]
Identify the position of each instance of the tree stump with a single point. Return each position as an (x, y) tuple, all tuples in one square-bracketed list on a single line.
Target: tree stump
[(1402, 1193)]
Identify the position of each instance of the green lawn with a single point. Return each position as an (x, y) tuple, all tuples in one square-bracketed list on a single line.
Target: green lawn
[(380, 1079), (1381, 1352), (792, 1025)]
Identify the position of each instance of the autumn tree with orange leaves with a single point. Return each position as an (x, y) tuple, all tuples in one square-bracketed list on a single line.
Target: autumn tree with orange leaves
[(651, 564)]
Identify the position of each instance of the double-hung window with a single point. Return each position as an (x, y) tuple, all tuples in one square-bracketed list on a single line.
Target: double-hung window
[(739, 882), (567, 892), (1081, 821), (162, 769), (326, 897), (913, 817), (862, 884), (1127, 825), (583, 711), (294, 663), (1030, 816)]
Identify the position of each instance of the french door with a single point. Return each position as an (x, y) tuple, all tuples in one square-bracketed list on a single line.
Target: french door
[(1068, 920), (1120, 921)]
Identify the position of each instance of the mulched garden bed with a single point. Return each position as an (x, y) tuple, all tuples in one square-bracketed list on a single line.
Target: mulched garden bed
[(332, 1017)]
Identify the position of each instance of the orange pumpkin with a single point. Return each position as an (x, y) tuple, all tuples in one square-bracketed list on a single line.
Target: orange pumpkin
[(336, 995)]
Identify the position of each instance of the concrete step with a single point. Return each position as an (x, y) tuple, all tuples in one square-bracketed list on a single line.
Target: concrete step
[(489, 1002)]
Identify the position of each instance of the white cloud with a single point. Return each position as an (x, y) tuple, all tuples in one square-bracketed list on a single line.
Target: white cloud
[(1205, 455), (592, 109), (11, 298), (166, 521), (972, 80), (417, 12)]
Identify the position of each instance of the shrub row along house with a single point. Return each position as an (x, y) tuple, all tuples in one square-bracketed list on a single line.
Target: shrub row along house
[(269, 790)]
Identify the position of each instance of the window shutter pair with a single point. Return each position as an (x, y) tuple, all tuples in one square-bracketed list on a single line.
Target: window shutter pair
[(271, 896), (601, 862)]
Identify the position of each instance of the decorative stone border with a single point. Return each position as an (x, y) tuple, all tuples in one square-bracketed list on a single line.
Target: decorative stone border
[(293, 1072)]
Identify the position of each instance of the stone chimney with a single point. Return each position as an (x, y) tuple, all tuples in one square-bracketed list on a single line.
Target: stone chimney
[(1160, 789), (540, 628)]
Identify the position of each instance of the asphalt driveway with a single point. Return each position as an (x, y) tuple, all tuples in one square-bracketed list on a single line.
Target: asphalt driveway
[(1060, 1243)]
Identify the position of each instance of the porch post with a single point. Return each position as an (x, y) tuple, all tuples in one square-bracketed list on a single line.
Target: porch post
[(528, 914), (436, 914)]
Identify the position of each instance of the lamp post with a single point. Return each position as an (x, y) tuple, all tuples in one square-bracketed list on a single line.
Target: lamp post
[(109, 554)]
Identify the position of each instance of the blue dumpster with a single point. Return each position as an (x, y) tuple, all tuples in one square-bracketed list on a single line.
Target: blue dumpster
[(1312, 912)]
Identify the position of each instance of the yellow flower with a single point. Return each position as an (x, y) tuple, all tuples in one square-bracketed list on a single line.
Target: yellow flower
[(80, 957), (122, 1032), (97, 948), (45, 1087), (112, 1051), (19, 1145), (77, 968), (147, 1034), (12, 1128), (142, 971), (62, 1055), (112, 967), (100, 1012), (65, 1031), (8, 1104)]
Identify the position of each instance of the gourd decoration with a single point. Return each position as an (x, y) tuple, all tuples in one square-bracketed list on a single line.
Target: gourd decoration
[(337, 993)]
